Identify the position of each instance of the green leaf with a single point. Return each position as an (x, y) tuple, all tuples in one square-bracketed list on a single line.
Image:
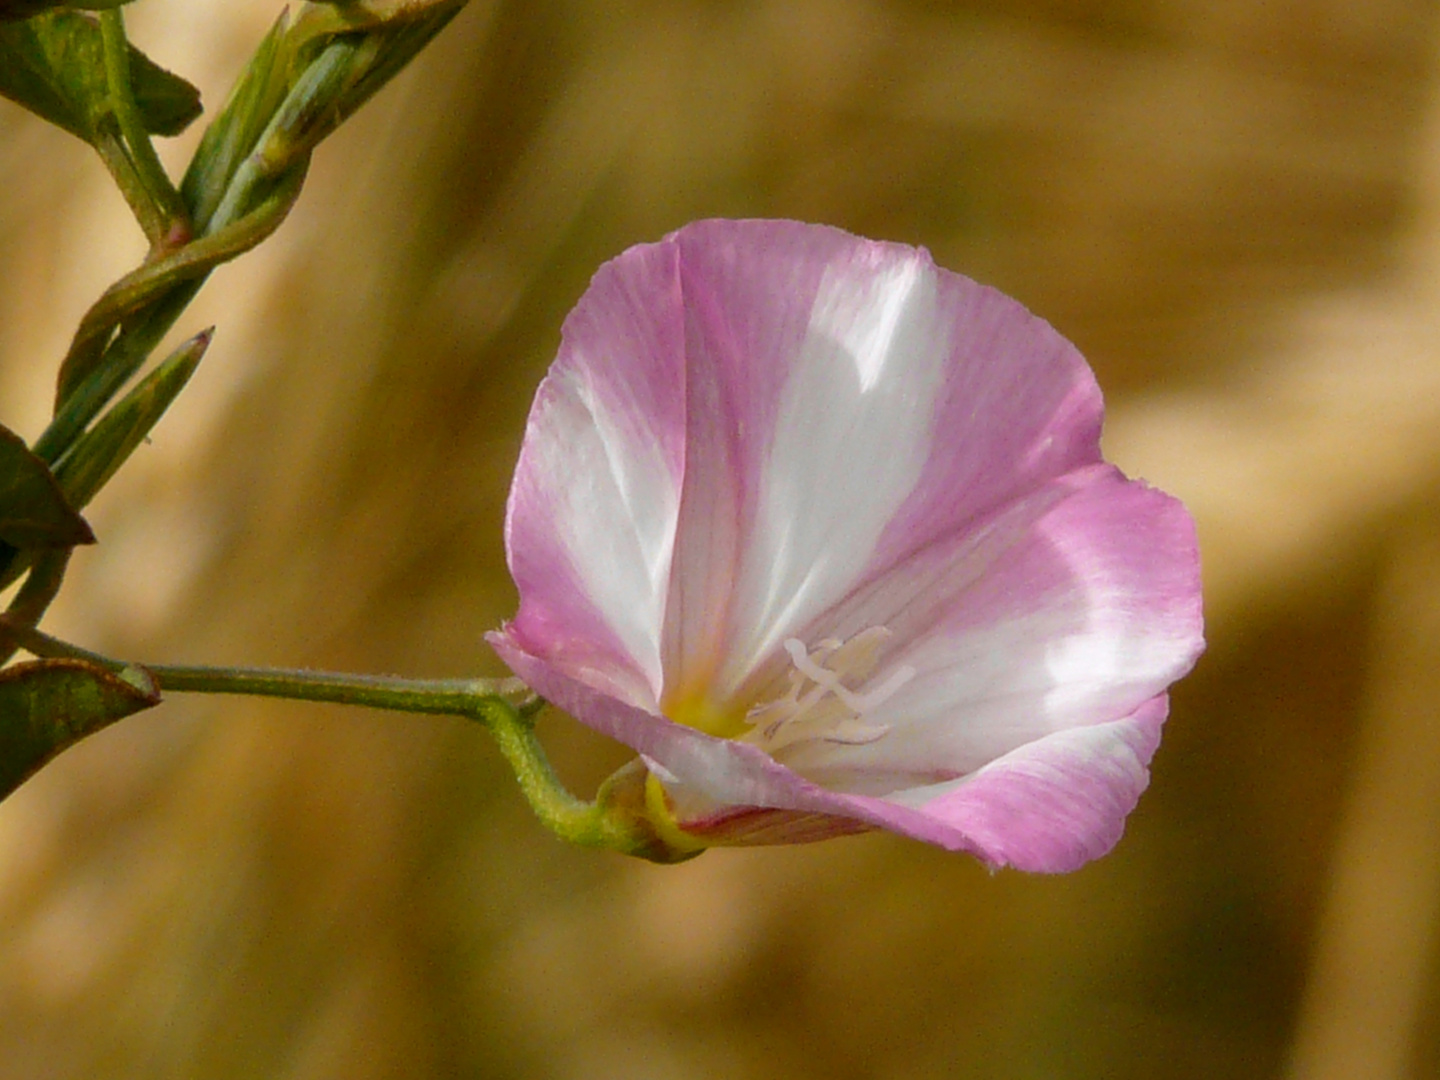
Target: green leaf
[(143, 306), (394, 32), (53, 64), (24, 9), (33, 511), (104, 448), (167, 103), (309, 74), (233, 132), (367, 13), (47, 706)]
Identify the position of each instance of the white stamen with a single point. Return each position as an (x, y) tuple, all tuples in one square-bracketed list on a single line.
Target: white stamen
[(817, 704), (863, 703), (854, 733), (817, 674)]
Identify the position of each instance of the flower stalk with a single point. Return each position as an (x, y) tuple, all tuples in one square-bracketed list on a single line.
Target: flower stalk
[(506, 708)]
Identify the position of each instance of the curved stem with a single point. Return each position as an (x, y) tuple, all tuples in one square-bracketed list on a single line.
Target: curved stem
[(492, 702), (17, 624), (590, 824)]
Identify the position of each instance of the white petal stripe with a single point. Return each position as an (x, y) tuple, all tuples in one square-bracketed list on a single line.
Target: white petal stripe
[(852, 436)]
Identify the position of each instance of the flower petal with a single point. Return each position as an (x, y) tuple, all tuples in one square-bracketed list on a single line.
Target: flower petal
[(1049, 806), (848, 432), (737, 345), (1052, 805), (591, 519), (807, 350), (848, 402), (1018, 407), (1070, 609)]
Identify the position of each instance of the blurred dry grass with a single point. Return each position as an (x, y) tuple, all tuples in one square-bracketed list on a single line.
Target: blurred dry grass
[(1232, 207)]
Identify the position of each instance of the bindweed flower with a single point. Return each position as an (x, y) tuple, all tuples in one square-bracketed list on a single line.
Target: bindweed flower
[(824, 533)]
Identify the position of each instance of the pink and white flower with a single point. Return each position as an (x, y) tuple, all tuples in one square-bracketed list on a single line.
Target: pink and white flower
[(824, 533)]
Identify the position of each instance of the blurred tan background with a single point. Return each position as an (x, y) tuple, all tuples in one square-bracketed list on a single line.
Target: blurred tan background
[(1232, 206)]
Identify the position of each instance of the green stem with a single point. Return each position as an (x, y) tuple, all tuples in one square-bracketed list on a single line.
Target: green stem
[(165, 210), (506, 707), (490, 701), (454, 697), (144, 312), (590, 824), (451, 697), (112, 151), (30, 602)]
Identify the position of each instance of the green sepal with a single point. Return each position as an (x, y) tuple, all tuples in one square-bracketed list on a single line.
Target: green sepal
[(54, 65), (104, 448), (33, 510), (47, 706)]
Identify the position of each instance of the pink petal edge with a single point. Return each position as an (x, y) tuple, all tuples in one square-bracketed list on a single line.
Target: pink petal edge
[(1048, 807)]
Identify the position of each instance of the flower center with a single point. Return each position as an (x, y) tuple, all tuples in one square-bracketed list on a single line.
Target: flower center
[(698, 710), (819, 704)]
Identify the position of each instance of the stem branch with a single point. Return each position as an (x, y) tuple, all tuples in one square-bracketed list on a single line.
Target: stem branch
[(162, 210)]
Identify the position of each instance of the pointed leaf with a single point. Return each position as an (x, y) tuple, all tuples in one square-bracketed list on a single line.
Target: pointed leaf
[(54, 65), (33, 511), (49, 705), (104, 448), (167, 102)]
